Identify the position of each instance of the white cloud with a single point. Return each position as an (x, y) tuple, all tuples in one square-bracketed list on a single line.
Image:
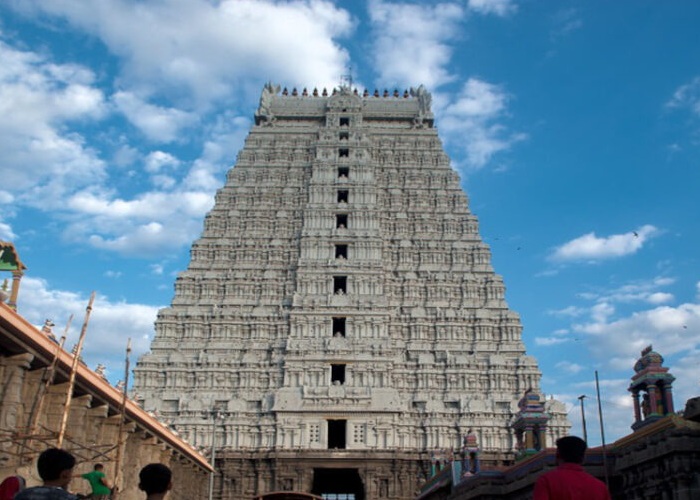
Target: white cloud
[(38, 99), (111, 323), (635, 291), (568, 367), (158, 160), (497, 7), (670, 329), (571, 311), (210, 50), (591, 247), (471, 122), (411, 42), (659, 298), (156, 122), (549, 341), (687, 96), (6, 232)]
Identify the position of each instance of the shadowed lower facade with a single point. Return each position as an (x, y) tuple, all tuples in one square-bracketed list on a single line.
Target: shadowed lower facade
[(340, 321)]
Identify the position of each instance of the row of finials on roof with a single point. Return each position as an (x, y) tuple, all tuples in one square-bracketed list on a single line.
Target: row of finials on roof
[(324, 93)]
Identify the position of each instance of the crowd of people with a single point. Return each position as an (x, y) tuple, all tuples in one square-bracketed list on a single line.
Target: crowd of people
[(55, 467), (569, 481)]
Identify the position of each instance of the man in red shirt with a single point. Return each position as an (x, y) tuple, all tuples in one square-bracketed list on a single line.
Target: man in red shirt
[(569, 481)]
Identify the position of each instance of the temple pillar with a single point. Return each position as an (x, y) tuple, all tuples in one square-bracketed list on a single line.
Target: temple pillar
[(653, 399), (14, 293), (668, 398), (637, 409)]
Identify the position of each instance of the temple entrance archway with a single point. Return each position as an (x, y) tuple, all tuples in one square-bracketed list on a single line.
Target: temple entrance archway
[(339, 482)]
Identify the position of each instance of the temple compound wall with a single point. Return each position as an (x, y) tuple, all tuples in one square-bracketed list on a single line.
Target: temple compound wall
[(340, 317), (30, 423)]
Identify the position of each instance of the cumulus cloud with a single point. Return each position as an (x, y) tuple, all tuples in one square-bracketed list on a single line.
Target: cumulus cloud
[(159, 160), (472, 122), (38, 99), (111, 322), (411, 42), (149, 224), (670, 329), (158, 123), (497, 7), (209, 50), (592, 248)]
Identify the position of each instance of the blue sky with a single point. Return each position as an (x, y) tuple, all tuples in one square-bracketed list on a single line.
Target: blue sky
[(575, 126)]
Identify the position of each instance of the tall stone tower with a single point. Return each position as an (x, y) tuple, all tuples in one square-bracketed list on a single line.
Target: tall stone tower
[(340, 322)]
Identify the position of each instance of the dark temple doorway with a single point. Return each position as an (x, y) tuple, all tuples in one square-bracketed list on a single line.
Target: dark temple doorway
[(337, 484)]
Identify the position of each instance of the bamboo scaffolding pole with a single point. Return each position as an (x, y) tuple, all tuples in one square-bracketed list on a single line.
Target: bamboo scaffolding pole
[(122, 411), (38, 405), (74, 369), (48, 380)]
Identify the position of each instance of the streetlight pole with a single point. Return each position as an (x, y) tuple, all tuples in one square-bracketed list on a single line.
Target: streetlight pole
[(214, 415), (583, 418)]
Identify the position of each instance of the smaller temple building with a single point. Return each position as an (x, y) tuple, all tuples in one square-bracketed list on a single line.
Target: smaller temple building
[(653, 382)]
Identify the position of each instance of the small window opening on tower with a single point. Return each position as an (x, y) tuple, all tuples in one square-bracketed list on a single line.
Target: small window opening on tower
[(341, 221), (337, 374), (343, 153), (340, 285), (341, 251), (344, 136), (343, 195), (339, 327), (344, 121), (343, 172), (336, 434)]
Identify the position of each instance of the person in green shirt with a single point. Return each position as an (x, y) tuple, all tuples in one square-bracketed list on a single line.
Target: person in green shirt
[(98, 483)]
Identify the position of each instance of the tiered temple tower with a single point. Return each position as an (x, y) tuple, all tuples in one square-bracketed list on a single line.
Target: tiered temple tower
[(340, 320)]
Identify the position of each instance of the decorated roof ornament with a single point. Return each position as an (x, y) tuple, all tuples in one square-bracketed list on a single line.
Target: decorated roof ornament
[(649, 359)]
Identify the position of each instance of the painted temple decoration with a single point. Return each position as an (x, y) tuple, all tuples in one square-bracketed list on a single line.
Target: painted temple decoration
[(9, 261), (653, 383), (530, 424)]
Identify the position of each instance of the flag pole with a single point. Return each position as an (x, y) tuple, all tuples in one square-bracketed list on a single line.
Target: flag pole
[(602, 431)]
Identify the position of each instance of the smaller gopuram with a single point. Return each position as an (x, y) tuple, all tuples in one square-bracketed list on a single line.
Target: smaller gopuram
[(653, 382), (530, 424)]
